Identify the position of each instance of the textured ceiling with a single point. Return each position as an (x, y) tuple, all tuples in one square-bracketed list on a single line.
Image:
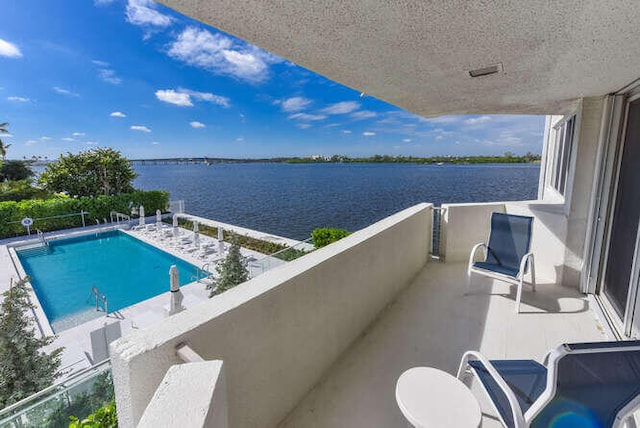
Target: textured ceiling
[(416, 54)]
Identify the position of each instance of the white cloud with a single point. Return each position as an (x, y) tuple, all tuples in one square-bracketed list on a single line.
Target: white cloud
[(221, 55), (239, 139), (18, 99), (109, 76), (67, 139), (45, 138), (100, 63), (63, 91), (155, 143), (294, 104), (368, 133), (9, 49), (196, 124), (304, 125), (143, 13), (444, 120), (140, 128), (118, 114), (91, 143), (343, 107), (306, 116), (406, 140), (102, 2), (182, 97), (172, 97), (78, 134), (346, 131), (207, 96), (30, 142), (363, 114), (477, 120)]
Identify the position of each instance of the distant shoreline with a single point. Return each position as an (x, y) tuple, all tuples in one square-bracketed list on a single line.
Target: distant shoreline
[(437, 160)]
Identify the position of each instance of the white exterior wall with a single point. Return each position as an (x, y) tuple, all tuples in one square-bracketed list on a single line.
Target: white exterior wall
[(463, 226), (191, 395), (280, 332)]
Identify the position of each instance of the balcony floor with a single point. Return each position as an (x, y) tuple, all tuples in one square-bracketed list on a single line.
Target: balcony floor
[(432, 323)]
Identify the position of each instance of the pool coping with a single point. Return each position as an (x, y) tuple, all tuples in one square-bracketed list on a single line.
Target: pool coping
[(40, 317), (78, 351)]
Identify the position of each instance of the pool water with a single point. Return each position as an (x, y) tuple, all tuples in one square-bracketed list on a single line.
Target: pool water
[(125, 269)]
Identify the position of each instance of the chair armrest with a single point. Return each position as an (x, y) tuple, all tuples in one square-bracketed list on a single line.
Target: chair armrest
[(523, 264), (516, 411), (473, 253)]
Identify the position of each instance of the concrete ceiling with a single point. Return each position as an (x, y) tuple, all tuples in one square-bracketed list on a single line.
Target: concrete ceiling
[(416, 54)]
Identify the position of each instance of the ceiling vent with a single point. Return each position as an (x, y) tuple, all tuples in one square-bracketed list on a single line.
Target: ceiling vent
[(486, 71)]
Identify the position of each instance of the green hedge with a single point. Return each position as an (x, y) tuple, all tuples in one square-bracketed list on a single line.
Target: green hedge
[(98, 207), (326, 235)]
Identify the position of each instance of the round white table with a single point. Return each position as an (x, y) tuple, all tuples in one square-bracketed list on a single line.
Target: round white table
[(429, 397)]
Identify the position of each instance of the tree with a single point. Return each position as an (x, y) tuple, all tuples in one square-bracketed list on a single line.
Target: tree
[(101, 171), (24, 367), (231, 272), (14, 170), (3, 146)]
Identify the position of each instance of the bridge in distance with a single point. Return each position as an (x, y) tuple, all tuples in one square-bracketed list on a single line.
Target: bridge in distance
[(193, 161)]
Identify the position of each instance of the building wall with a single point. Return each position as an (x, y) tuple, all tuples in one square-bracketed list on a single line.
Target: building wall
[(280, 332)]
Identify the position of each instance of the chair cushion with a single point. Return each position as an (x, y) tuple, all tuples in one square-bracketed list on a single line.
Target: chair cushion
[(526, 378), (509, 239), (591, 388), (505, 270)]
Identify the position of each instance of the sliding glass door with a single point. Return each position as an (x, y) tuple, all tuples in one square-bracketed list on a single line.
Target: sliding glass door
[(620, 280)]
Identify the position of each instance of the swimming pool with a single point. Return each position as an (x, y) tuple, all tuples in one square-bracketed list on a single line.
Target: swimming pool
[(125, 269)]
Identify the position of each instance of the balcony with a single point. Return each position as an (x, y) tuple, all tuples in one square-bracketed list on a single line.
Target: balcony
[(321, 341)]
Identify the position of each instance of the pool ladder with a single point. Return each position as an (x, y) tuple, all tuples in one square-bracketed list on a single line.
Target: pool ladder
[(42, 239), (202, 273), (100, 299)]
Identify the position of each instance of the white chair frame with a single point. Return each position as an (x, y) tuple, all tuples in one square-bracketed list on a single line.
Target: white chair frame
[(526, 264)]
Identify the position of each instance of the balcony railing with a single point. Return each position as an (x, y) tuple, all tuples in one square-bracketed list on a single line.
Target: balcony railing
[(53, 405), (281, 331)]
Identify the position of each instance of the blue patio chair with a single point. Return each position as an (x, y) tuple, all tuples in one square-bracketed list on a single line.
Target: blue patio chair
[(579, 385), (507, 255)]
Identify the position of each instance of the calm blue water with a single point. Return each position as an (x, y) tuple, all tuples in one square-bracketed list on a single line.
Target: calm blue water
[(123, 268), (292, 200)]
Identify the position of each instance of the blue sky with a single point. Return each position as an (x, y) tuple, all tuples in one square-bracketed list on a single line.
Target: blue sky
[(136, 76)]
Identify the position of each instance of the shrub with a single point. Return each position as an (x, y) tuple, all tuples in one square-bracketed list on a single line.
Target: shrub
[(105, 417), (98, 208), (19, 190), (326, 235)]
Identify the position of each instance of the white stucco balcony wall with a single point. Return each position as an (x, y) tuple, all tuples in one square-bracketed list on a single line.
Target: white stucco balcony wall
[(278, 334)]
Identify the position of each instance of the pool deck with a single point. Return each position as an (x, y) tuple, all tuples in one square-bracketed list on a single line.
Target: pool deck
[(78, 352)]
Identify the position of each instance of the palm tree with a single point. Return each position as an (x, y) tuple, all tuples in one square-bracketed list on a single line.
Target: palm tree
[(3, 146)]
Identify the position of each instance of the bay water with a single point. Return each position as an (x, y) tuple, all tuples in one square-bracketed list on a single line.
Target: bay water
[(293, 199)]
